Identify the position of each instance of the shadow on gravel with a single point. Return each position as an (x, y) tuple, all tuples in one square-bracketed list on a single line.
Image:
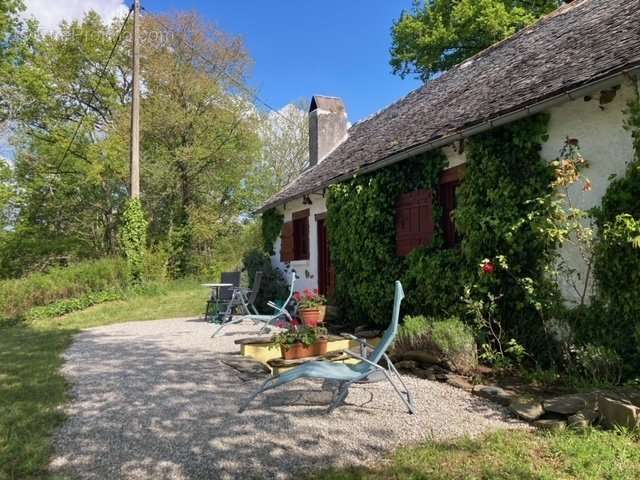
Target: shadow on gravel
[(149, 406)]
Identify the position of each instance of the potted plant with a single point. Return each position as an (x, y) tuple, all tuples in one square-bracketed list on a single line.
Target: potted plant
[(312, 307), (300, 341)]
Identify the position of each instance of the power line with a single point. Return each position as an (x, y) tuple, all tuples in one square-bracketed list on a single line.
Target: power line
[(94, 90), (233, 79)]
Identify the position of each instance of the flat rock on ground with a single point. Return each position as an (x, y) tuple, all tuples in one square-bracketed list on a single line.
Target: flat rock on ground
[(158, 400)]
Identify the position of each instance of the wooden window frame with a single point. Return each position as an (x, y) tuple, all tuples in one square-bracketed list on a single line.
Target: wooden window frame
[(300, 220), (450, 180)]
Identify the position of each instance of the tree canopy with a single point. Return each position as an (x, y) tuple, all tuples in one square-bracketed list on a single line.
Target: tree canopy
[(438, 34)]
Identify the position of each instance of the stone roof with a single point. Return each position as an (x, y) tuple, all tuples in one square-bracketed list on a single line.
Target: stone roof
[(578, 44)]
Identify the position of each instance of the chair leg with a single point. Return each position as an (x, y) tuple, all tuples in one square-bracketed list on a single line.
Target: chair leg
[(224, 324), (339, 396), (407, 401), (393, 369), (263, 388)]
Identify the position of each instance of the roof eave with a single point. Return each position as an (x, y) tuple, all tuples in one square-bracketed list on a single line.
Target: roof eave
[(570, 93)]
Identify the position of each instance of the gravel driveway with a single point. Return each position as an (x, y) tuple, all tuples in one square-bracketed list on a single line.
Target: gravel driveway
[(154, 400)]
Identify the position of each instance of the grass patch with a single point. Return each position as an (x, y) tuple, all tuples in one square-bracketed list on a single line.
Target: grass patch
[(32, 391), (510, 455)]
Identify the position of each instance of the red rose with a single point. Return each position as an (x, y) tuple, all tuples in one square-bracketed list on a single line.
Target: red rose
[(297, 296), (488, 267)]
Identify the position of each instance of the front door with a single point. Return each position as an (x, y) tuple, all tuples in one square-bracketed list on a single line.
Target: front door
[(326, 271)]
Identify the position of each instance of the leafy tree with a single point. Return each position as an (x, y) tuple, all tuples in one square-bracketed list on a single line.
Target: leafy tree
[(71, 192), (284, 150), (10, 26), (199, 140), (438, 34)]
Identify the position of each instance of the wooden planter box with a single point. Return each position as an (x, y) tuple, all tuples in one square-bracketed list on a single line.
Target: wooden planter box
[(299, 350)]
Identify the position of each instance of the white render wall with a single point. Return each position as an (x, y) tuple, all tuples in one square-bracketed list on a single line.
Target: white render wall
[(307, 270), (603, 142)]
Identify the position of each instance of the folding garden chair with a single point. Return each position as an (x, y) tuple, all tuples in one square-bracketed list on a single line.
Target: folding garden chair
[(346, 375), (280, 312), (220, 298)]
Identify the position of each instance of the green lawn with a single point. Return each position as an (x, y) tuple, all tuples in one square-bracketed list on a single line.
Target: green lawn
[(510, 455), (32, 391)]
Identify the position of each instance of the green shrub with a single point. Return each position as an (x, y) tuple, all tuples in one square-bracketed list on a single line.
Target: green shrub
[(273, 286), (68, 305), (598, 364), (18, 296), (449, 339)]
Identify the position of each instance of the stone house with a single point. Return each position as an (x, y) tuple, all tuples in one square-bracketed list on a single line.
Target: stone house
[(581, 64)]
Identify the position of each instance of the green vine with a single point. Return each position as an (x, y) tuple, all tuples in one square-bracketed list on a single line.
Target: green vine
[(506, 257), (361, 215), (133, 238), (505, 174), (617, 260), (271, 226)]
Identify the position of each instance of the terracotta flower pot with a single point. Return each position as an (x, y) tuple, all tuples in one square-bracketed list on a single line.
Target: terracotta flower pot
[(311, 317), (300, 350)]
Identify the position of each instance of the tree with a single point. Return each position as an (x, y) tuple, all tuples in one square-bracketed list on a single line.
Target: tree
[(10, 27), (439, 34), (70, 172), (198, 139), (284, 151)]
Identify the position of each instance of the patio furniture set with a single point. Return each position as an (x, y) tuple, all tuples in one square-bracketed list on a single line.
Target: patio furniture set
[(371, 363)]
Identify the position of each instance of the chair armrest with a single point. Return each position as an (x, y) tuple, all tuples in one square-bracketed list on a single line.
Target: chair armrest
[(363, 359)]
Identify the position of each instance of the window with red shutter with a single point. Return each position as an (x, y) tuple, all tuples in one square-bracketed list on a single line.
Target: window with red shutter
[(414, 221), (286, 242), (300, 235)]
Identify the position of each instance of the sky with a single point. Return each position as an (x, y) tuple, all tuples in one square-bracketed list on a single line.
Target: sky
[(299, 48)]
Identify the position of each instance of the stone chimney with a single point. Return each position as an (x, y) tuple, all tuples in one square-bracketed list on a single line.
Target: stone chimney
[(327, 127)]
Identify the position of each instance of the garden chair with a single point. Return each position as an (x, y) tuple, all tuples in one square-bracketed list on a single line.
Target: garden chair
[(220, 298), (346, 375), (280, 312)]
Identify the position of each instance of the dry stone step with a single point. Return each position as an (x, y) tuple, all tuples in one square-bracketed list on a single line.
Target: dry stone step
[(567, 404), (528, 409), (615, 412), (495, 394), (459, 382)]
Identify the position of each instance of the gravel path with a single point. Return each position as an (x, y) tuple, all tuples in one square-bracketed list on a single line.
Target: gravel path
[(153, 400)]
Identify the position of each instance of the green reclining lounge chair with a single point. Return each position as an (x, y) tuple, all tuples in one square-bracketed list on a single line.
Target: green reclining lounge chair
[(346, 374)]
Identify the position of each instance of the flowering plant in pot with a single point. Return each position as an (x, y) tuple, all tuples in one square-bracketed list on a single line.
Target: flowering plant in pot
[(312, 307), (300, 341)]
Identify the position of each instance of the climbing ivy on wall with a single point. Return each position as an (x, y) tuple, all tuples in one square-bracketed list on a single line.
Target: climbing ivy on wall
[(361, 219), (617, 260), (272, 221), (505, 174), (504, 178)]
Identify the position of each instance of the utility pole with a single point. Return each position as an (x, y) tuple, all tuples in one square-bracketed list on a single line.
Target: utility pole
[(135, 106)]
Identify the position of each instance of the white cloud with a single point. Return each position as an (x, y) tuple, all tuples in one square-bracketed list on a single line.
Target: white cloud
[(51, 12)]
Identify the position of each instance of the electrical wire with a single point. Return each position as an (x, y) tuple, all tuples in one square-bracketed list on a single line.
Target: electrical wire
[(94, 91)]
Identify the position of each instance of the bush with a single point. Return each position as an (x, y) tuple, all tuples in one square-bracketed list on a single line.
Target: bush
[(597, 364), (273, 286), (18, 296), (449, 339), (68, 305)]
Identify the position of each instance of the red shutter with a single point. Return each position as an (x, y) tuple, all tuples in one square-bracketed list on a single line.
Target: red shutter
[(414, 221), (286, 244)]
